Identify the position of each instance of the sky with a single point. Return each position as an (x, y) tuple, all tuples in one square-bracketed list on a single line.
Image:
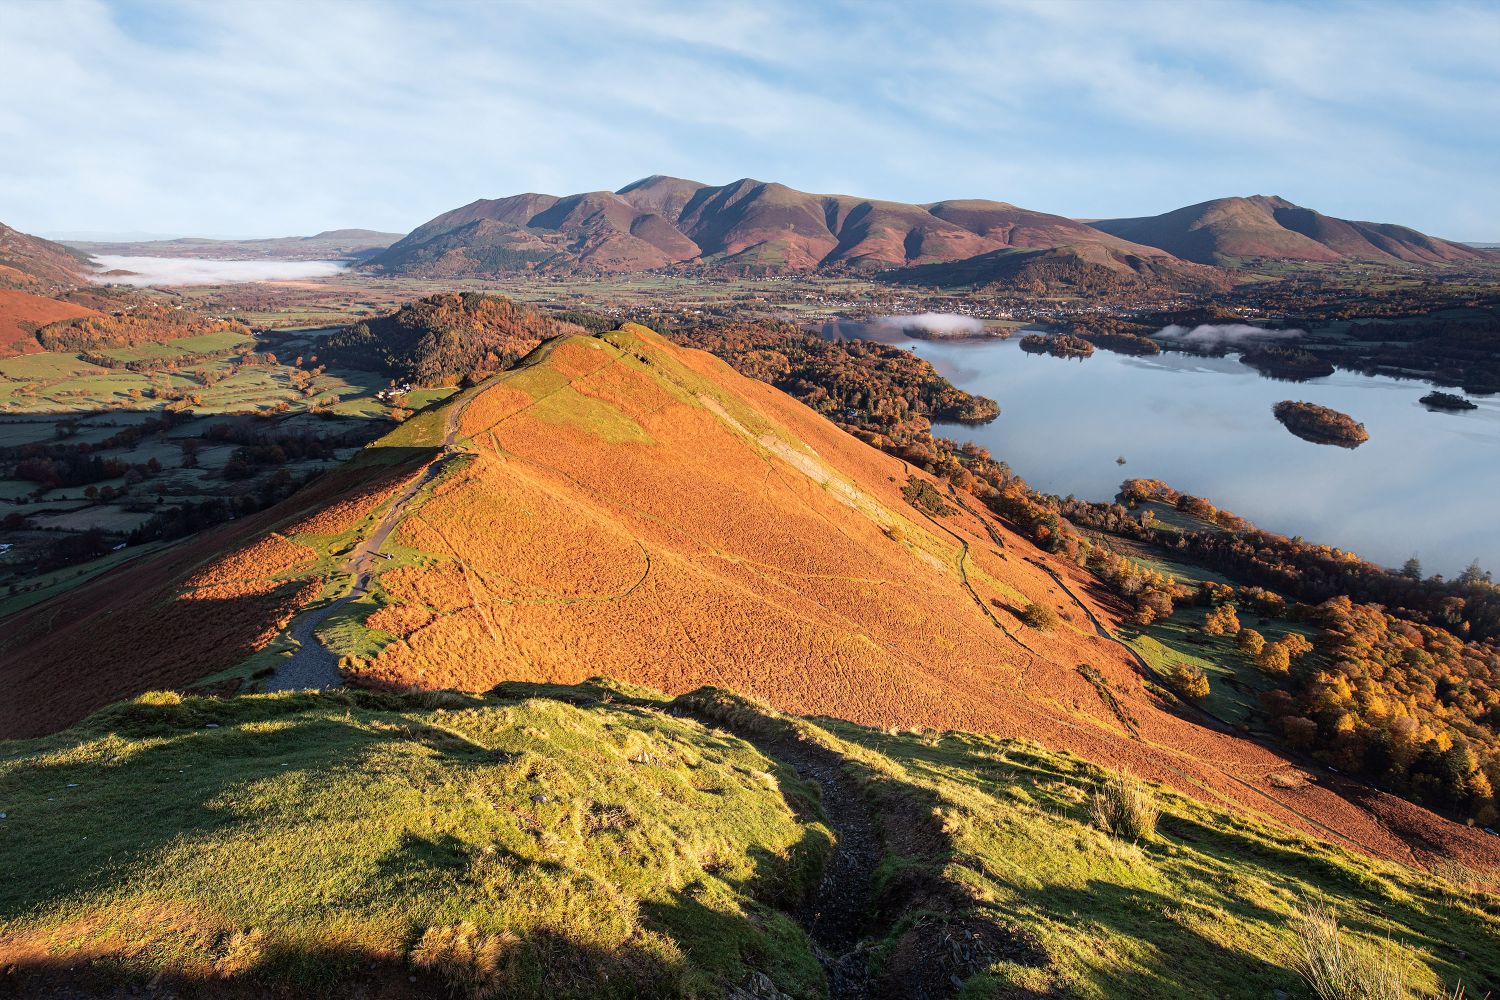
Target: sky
[(240, 119)]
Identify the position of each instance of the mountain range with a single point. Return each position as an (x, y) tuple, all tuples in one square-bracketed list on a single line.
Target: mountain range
[(748, 226), (333, 243), (758, 227)]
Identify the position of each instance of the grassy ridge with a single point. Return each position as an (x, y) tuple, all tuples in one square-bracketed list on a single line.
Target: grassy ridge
[(591, 841)]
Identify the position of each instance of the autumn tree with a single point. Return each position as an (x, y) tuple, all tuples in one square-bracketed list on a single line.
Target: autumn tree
[(1274, 660), (1189, 681), (1222, 620)]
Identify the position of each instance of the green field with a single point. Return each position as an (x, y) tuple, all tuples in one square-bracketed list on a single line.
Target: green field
[(182, 347)]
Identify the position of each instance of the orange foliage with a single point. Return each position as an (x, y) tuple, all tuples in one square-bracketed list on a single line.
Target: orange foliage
[(271, 556), (346, 513)]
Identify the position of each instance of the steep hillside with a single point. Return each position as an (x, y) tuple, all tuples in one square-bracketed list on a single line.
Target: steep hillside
[(30, 261), (1088, 268), (1227, 230), (603, 841), (748, 225), (23, 314), (619, 505)]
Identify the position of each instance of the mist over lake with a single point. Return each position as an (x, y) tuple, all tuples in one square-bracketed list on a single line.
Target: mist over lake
[(185, 271)]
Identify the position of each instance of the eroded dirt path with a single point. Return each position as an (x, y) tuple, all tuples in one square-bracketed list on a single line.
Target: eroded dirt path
[(838, 916), (313, 665)]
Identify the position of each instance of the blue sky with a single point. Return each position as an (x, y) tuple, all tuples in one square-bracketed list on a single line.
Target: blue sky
[(241, 118)]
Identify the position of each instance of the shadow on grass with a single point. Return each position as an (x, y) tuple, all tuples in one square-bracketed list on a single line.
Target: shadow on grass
[(547, 965)]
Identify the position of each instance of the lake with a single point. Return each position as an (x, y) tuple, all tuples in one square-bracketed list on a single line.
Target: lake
[(1425, 484)]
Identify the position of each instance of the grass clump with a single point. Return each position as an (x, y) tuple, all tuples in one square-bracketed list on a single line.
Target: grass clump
[(1338, 967), (1124, 806), (475, 965)]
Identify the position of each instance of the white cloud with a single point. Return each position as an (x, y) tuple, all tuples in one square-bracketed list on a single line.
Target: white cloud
[(275, 118)]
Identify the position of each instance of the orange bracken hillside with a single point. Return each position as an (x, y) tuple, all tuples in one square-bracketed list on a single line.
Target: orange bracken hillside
[(22, 314), (621, 506)]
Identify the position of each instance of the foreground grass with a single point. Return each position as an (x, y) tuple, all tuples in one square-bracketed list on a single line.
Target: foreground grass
[(306, 837), (1207, 907), (592, 841)]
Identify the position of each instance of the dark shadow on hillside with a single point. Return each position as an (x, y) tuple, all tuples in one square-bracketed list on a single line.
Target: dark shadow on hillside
[(545, 965)]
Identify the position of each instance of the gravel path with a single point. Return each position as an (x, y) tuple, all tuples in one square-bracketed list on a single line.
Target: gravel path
[(312, 666)]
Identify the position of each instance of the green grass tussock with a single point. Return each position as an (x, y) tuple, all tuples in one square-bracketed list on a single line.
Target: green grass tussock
[(1125, 807)]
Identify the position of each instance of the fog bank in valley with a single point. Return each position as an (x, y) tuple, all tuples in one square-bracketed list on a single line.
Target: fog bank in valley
[(1213, 336), (181, 271), (939, 324)]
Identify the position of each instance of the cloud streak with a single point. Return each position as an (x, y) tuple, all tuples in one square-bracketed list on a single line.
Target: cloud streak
[(273, 117), (1216, 336)]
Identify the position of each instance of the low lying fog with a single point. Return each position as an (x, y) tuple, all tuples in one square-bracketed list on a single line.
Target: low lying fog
[(178, 271), (939, 323), (1211, 336)]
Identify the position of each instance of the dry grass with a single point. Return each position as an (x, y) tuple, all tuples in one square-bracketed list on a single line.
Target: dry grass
[(271, 556), (1338, 967), (475, 964), (1125, 807)]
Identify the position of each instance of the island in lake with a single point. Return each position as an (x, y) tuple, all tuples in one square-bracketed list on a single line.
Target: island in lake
[(1290, 363), (1320, 424), (1437, 400), (1058, 345)]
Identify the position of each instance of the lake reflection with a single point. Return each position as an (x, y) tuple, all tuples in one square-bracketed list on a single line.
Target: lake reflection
[(1425, 483)]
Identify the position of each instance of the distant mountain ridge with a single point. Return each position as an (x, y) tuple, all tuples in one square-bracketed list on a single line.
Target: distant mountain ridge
[(748, 225), (332, 243), (1227, 230), (758, 227)]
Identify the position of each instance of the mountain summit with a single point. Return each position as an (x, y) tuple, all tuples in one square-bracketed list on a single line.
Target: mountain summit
[(1227, 230)]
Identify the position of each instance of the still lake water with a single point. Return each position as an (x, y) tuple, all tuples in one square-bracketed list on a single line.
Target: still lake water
[(1425, 484)]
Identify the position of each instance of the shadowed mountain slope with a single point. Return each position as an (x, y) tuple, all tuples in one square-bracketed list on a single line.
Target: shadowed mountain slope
[(1226, 229), (619, 505)]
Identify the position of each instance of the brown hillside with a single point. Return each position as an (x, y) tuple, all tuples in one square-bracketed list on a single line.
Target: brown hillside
[(747, 225), (621, 506), (1090, 268), (27, 261), (1226, 229), (22, 314)]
